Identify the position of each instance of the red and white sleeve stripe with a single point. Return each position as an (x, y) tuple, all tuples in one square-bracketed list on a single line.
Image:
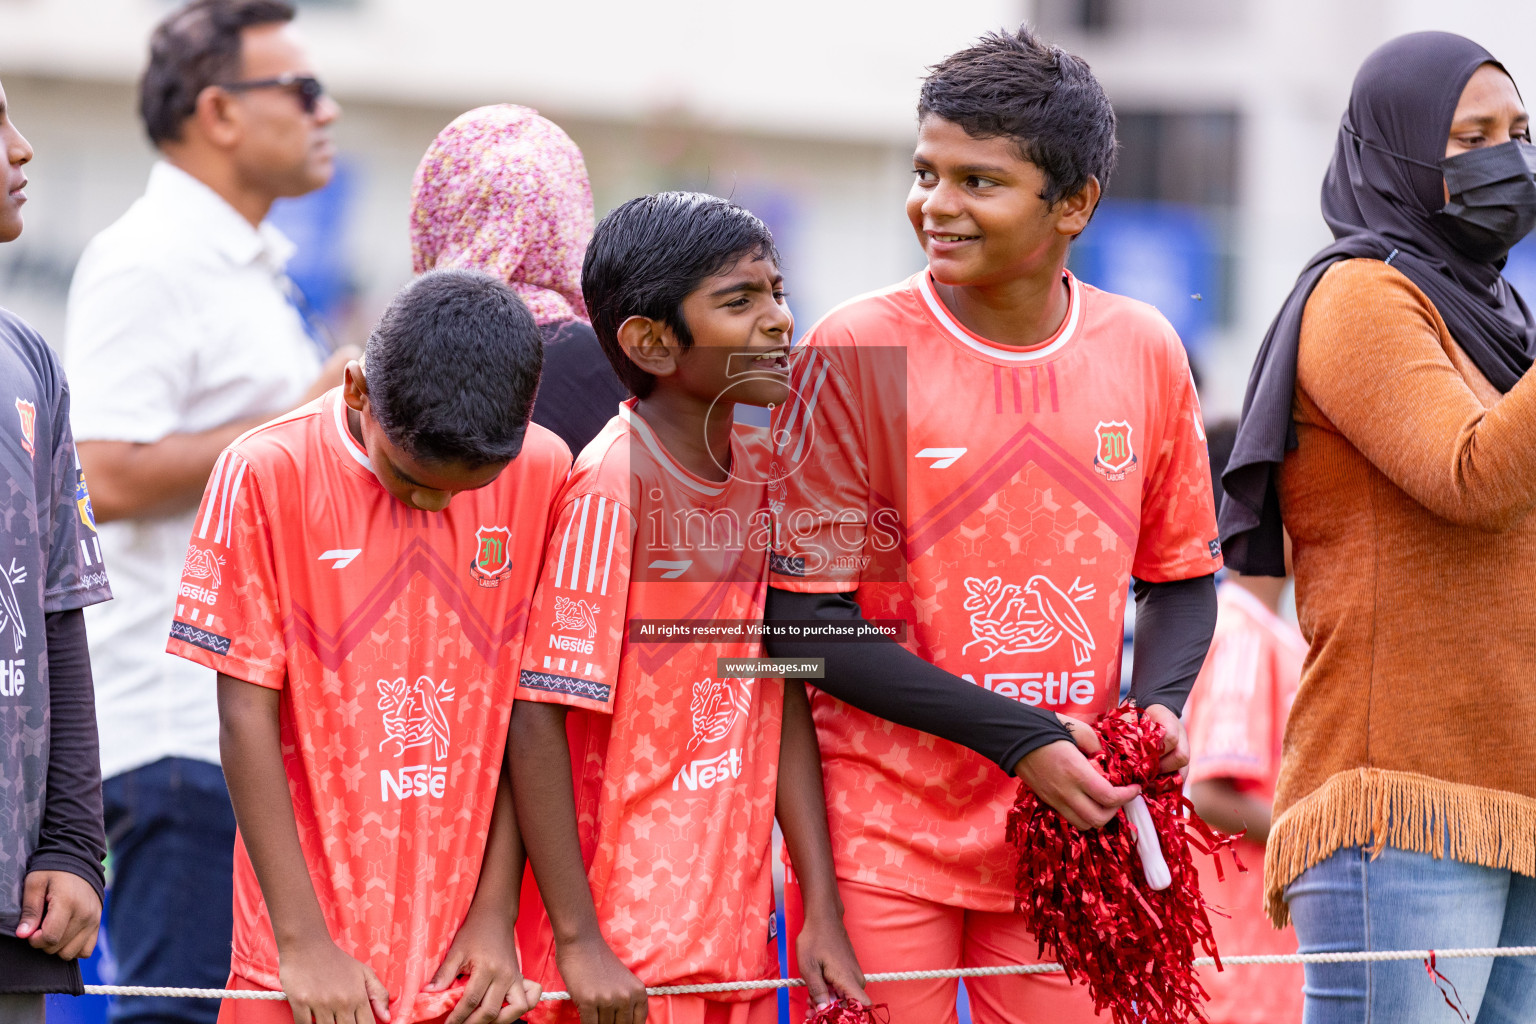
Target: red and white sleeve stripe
[(586, 556), (219, 501)]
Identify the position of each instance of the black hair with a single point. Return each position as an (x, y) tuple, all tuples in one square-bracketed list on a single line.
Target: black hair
[(452, 368), (193, 47), (650, 253), (1219, 439), (1014, 85)]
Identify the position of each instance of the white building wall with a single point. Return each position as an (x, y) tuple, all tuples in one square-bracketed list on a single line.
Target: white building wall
[(810, 103), (1287, 69), (810, 100)]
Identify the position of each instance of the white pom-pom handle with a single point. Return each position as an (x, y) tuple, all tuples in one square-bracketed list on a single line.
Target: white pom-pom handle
[(1152, 863)]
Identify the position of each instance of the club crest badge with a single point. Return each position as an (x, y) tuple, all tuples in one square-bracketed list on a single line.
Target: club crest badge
[(28, 413), (83, 502), (1114, 457), (493, 555)]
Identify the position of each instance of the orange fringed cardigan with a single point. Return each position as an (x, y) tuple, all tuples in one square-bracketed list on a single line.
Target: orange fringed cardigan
[(1409, 501)]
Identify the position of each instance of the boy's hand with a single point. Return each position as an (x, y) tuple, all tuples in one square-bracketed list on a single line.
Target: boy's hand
[(603, 989), (1082, 734), (484, 953), (1175, 740), (827, 963), (1062, 777), (60, 913), (327, 986)]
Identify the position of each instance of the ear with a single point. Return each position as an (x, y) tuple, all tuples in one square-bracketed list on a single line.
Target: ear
[(354, 387), (217, 117), (1073, 212), (649, 344)]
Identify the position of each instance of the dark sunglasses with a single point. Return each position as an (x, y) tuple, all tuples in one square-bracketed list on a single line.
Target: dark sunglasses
[(306, 87)]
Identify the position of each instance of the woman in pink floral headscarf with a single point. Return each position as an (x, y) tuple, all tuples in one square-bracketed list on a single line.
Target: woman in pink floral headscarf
[(505, 191)]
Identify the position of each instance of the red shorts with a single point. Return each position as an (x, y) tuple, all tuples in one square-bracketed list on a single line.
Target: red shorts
[(892, 931)]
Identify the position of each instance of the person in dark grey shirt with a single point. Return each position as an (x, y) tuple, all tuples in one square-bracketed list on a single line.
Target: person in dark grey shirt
[(51, 836)]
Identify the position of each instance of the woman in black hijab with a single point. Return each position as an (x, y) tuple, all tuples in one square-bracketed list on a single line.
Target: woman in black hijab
[(1391, 421), (1385, 196)]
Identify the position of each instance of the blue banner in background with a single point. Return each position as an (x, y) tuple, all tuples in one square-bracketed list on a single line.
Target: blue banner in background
[(1166, 254), (1520, 271), (317, 224)]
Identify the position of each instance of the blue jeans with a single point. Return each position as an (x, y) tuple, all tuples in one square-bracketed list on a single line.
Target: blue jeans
[(171, 831), (1405, 900)]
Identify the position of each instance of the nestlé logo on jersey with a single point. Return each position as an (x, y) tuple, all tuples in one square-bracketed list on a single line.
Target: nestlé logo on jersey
[(493, 555), (573, 615), (201, 574), (414, 718), (13, 680), (1039, 616), (1051, 689), (714, 708), (709, 772), (1009, 619), (1114, 457)]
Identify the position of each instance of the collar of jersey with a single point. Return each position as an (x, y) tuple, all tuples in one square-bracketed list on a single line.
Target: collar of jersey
[(344, 437), (664, 458), (1009, 354)]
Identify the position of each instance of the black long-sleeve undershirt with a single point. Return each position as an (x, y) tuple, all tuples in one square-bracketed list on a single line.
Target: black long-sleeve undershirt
[(72, 837), (1174, 622)]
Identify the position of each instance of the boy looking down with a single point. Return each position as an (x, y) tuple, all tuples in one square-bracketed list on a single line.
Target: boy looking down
[(990, 451), (359, 576), (655, 866)]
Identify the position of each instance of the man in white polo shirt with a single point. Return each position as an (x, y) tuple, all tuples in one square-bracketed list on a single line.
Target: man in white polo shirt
[(182, 333)]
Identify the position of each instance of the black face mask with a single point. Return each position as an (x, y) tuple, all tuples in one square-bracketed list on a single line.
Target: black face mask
[(1493, 199)]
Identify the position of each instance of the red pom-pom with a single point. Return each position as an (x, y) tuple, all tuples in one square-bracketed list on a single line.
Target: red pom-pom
[(1084, 896), (846, 1011)]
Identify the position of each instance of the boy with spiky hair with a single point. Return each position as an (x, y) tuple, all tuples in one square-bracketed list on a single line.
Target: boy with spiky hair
[(359, 576), (991, 451), (655, 866)]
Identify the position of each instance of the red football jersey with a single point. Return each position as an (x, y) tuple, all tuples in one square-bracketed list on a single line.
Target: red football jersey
[(677, 763), (999, 500), (394, 635)]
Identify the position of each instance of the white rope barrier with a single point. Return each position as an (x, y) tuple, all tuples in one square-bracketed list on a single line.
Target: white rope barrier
[(1370, 956)]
